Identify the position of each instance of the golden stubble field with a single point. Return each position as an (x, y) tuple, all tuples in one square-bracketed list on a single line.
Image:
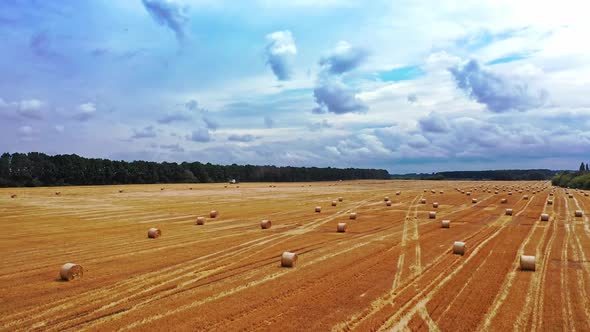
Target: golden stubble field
[(393, 269)]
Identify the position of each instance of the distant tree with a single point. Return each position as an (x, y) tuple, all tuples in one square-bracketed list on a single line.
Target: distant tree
[(587, 169), (582, 167)]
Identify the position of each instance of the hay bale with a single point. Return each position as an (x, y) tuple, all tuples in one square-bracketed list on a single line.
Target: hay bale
[(397, 193), (161, 189), (509, 212), (503, 201), (510, 193), (525, 197), (549, 202), (388, 203), (340, 199), (432, 215), (433, 191), (71, 271), (352, 216), (200, 220), (154, 233), (288, 259), (468, 193), (57, 193), (579, 213), (586, 194), (474, 200), (544, 217), (318, 209), (386, 198), (527, 263), (334, 203), (425, 190), (423, 201), (496, 192), (435, 205), (445, 224), (213, 214), (341, 227), (13, 196), (459, 248), (120, 191), (441, 192), (265, 224), (571, 195)]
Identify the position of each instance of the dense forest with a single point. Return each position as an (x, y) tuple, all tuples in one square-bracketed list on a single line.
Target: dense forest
[(37, 169), (578, 180), (498, 175)]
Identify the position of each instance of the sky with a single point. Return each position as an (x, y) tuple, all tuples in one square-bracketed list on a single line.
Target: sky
[(407, 86)]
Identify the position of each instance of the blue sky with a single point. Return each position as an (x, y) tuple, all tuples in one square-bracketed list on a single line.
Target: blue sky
[(409, 86)]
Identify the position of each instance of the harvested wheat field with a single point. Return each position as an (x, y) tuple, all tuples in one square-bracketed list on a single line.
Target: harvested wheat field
[(392, 269)]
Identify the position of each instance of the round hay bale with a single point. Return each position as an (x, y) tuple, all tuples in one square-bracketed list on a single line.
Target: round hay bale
[(200, 220), (154, 233), (544, 217), (318, 209), (496, 192), (525, 197), (425, 190), (445, 224), (527, 263), (334, 203), (213, 214), (579, 213), (13, 196), (288, 259), (423, 201), (120, 191), (549, 202), (71, 271), (503, 201), (442, 192), (397, 193), (161, 189), (265, 224), (468, 193), (459, 248), (571, 195), (340, 199), (386, 198), (57, 193), (432, 215), (433, 191), (586, 194), (510, 193), (388, 203), (435, 205), (508, 212), (352, 216), (341, 227), (474, 200)]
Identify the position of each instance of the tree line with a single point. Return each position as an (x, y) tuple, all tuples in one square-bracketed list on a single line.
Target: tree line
[(492, 175), (578, 180), (36, 169)]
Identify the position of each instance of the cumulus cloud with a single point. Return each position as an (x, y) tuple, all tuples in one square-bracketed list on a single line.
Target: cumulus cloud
[(147, 132), (85, 112), (434, 123), (192, 105), (344, 58), (315, 126), (174, 117), (498, 93), (335, 97), (170, 14), (241, 138), (201, 135), (26, 133), (280, 50)]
